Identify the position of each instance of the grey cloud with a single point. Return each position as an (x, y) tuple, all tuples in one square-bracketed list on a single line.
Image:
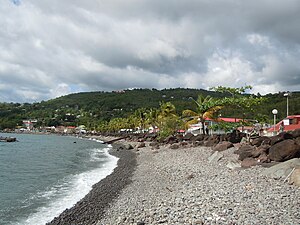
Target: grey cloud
[(72, 45)]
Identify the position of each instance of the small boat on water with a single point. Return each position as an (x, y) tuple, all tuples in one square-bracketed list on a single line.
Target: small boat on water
[(7, 139)]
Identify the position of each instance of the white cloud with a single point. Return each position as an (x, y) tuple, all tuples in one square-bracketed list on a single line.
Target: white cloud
[(51, 48), (60, 89)]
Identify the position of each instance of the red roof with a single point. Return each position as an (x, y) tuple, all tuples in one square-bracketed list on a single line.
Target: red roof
[(287, 127), (229, 120)]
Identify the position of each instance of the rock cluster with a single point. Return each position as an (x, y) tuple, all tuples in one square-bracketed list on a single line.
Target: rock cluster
[(278, 148), (181, 186)]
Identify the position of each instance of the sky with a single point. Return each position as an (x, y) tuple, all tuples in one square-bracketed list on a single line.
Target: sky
[(52, 48)]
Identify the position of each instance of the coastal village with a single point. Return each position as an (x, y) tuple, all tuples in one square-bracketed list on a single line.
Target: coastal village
[(150, 112), (193, 166)]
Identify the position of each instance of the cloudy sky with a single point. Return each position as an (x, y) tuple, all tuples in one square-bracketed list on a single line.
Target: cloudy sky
[(51, 48)]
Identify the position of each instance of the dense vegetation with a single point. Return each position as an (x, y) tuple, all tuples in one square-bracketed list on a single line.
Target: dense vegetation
[(94, 108)]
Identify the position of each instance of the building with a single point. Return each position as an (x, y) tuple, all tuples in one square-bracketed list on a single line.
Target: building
[(289, 123), (198, 128), (29, 124)]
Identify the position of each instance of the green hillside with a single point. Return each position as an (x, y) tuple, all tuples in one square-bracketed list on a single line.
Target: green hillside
[(92, 107)]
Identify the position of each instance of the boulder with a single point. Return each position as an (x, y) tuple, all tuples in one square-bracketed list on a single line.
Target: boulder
[(171, 140), (295, 133), (198, 143), (223, 137), (261, 140), (246, 151), (280, 137), (263, 149), (188, 137), (282, 170), (249, 162), (235, 136), (297, 140), (284, 150), (263, 158), (222, 146), (199, 137), (212, 140)]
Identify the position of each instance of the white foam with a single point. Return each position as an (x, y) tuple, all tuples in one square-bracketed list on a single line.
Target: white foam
[(76, 188)]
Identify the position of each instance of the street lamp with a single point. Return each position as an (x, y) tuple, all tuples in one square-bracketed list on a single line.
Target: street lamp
[(287, 94), (274, 111)]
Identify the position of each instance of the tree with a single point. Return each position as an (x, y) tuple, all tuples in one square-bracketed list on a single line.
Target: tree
[(152, 117), (206, 108), (238, 99), (168, 121)]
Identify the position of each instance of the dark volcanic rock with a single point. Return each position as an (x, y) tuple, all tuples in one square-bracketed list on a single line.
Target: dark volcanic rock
[(261, 140), (235, 137), (263, 158), (170, 140), (222, 146), (295, 133), (198, 143), (199, 137), (212, 141), (188, 137), (247, 151), (280, 137), (249, 162), (151, 136), (284, 150)]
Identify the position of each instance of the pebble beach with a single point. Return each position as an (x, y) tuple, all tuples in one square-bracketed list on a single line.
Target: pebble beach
[(180, 186)]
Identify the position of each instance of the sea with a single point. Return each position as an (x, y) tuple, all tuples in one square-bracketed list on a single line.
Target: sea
[(42, 175)]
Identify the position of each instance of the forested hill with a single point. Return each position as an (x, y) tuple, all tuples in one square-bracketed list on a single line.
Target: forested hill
[(128, 100), (90, 107)]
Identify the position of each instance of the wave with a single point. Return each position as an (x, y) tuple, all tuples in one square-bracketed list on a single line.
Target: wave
[(72, 189)]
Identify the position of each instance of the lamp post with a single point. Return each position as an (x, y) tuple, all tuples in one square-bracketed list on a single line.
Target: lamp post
[(274, 111), (287, 94)]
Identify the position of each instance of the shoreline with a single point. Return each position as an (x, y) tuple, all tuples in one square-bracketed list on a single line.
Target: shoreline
[(181, 186), (90, 209)]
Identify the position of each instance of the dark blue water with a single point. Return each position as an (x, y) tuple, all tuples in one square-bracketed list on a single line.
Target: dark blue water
[(41, 175)]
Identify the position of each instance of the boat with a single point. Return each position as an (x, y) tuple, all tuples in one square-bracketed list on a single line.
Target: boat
[(8, 139)]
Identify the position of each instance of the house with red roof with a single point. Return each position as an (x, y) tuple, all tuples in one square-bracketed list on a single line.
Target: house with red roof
[(197, 128), (289, 123)]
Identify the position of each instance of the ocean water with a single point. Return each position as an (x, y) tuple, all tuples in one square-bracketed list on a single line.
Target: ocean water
[(42, 175)]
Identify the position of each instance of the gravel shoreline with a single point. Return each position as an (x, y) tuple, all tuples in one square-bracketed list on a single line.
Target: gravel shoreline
[(90, 209), (180, 186)]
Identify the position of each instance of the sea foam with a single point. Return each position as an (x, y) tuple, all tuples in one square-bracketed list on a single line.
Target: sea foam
[(72, 190)]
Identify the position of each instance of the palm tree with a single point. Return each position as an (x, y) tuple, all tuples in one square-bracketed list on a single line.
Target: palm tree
[(167, 109), (206, 108), (152, 118)]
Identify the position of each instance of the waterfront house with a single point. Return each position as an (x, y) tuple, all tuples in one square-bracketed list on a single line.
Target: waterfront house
[(289, 123)]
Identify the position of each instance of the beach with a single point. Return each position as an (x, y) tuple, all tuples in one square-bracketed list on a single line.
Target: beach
[(181, 186), (90, 209)]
